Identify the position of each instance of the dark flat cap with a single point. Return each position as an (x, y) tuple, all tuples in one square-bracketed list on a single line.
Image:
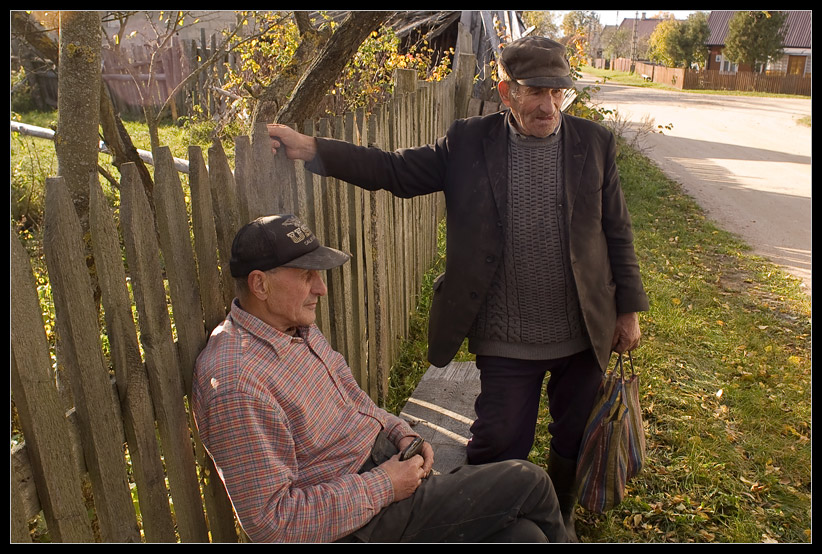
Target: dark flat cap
[(280, 241), (537, 62)]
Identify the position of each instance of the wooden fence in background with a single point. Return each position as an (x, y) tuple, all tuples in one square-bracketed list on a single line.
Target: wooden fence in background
[(126, 435), (127, 75), (132, 85), (690, 79), (748, 81)]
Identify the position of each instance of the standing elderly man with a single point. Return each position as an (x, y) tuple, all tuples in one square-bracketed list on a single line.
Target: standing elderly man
[(541, 273), (304, 453)]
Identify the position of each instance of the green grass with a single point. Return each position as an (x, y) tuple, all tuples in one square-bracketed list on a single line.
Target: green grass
[(32, 160), (725, 364), (725, 371)]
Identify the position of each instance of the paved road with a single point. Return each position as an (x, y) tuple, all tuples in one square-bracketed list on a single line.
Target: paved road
[(745, 160)]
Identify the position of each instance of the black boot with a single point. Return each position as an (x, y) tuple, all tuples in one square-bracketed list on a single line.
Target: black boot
[(563, 473)]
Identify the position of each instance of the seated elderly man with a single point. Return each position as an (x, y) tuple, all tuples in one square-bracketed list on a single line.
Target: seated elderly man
[(305, 454)]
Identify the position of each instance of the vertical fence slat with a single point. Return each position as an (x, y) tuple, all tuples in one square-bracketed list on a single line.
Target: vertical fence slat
[(357, 326), (227, 213), (269, 193), (367, 278), (344, 317), (19, 523), (334, 279), (218, 506), (77, 323), (243, 170), (42, 417), (205, 240), (162, 359), (381, 202), (180, 267), (132, 380), (315, 201)]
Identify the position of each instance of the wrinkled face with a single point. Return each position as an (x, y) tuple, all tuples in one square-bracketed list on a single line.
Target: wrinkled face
[(536, 110), (293, 297)]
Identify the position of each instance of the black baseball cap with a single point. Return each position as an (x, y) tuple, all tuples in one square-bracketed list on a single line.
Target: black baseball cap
[(537, 62), (280, 241)]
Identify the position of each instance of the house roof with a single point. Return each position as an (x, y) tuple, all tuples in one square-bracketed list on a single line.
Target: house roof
[(644, 26), (798, 28)]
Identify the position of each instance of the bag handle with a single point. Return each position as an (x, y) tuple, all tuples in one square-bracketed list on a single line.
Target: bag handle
[(620, 365)]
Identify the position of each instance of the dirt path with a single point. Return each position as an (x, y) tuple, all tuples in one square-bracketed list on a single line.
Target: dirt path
[(745, 160)]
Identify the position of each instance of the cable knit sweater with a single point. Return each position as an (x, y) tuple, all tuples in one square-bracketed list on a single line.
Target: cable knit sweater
[(532, 310)]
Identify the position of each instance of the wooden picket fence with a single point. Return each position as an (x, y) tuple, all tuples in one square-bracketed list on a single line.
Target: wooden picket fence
[(126, 434), (690, 79), (127, 74)]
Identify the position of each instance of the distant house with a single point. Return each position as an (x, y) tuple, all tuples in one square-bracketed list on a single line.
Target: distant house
[(640, 30), (797, 46)]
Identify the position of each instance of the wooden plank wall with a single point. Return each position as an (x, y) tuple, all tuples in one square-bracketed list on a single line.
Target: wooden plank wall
[(126, 426)]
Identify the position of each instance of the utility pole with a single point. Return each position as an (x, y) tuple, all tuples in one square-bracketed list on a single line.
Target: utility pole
[(634, 44)]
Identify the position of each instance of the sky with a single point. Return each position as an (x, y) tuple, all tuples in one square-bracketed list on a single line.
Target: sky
[(615, 17)]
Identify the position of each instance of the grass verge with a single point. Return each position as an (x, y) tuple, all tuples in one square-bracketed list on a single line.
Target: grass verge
[(725, 369)]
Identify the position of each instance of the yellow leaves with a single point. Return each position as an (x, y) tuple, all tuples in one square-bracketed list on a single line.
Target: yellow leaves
[(789, 429), (632, 521), (755, 486), (771, 469)]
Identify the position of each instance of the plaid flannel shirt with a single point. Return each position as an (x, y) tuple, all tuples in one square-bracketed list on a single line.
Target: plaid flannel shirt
[(288, 428)]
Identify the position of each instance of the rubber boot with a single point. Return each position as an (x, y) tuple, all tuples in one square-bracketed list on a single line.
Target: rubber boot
[(563, 474)]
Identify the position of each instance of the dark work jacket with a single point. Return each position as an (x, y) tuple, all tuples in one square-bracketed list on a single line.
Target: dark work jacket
[(470, 166)]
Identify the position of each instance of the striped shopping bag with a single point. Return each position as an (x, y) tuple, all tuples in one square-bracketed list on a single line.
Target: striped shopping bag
[(613, 446)]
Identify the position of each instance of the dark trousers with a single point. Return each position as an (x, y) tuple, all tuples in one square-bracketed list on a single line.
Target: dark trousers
[(512, 501), (509, 398)]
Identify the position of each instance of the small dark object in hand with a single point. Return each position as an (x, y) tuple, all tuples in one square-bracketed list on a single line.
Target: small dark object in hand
[(412, 449)]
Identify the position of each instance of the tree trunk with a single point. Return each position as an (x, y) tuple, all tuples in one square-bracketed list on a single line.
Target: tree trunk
[(273, 97), (326, 67), (78, 104), (119, 143)]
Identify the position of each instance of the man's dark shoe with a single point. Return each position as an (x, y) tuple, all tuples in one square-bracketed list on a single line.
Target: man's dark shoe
[(563, 474)]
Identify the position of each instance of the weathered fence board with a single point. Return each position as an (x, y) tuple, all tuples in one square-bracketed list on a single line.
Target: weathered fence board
[(48, 438), (78, 327), (162, 361), (175, 274), (227, 214), (180, 267), (132, 379)]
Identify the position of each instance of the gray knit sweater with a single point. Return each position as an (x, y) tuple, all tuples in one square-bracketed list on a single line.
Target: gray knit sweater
[(531, 310)]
